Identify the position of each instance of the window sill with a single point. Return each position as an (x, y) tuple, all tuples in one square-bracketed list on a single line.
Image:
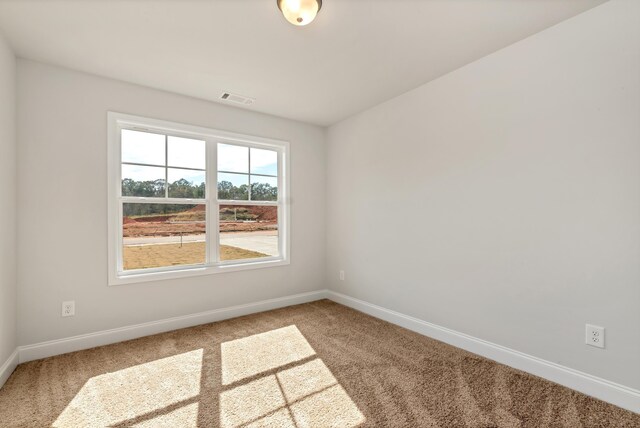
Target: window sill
[(132, 278)]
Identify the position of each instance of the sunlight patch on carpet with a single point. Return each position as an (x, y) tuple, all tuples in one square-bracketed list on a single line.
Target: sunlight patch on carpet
[(329, 408), (250, 402), (249, 356), (183, 417), (306, 379), (133, 392), (303, 395)]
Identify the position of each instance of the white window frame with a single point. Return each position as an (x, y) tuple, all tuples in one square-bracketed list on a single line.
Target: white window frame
[(116, 122)]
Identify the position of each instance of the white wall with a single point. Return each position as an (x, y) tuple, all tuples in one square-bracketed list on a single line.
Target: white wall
[(62, 204), (8, 219), (503, 199)]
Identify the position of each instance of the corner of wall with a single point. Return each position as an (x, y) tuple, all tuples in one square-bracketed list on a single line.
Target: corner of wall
[(8, 212)]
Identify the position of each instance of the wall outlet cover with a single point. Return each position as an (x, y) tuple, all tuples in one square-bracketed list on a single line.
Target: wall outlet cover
[(595, 336), (68, 308)]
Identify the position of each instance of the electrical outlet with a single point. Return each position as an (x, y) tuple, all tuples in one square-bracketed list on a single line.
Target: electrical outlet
[(68, 308), (341, 275), (595, 336)]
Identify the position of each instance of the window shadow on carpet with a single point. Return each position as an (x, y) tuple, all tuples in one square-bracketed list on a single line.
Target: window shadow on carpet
[(166, 388), (274, 378)]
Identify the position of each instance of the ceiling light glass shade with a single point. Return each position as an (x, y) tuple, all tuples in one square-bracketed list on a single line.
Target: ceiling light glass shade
[(299, 12)]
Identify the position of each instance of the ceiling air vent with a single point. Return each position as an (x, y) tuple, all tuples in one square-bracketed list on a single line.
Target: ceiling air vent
[(235, 98)]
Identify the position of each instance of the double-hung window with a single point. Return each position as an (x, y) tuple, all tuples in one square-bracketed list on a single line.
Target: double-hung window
[(187, 200)]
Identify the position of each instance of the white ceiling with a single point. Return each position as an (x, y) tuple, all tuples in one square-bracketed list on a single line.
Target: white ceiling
[(356, 54)]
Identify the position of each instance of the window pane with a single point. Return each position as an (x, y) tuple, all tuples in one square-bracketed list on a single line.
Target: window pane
[(233, 187), (143, 147), (264, 162), (233, 158), (248, 232), (186, 153), (142, 181), (186, 183), (264, 188), (160, 235)]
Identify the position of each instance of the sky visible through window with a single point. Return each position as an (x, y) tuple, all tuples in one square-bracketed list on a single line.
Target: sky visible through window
[(241, 166), (150, 149), (234, 161)]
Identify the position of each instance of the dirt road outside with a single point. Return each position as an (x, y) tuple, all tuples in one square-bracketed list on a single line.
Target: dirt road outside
[(178, 238)]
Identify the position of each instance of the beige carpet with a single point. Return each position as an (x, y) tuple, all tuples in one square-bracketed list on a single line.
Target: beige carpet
[(314, 365)]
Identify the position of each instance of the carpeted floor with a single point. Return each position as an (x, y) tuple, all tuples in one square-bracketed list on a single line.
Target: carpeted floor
[(314, 365)]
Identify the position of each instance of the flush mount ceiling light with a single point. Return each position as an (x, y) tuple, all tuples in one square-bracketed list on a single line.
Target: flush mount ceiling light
[(299, 12)]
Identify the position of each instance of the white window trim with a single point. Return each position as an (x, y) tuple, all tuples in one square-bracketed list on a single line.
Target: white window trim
[(115, 123)]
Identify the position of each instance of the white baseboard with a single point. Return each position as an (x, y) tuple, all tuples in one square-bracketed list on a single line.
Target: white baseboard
[(106, 337), (619, 395), (8, 367)]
